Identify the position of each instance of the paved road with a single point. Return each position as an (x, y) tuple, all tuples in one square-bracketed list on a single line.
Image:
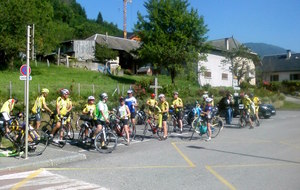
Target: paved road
[(267, 157)]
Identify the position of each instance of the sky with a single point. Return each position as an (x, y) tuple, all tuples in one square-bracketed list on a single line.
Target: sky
[(275, 22)]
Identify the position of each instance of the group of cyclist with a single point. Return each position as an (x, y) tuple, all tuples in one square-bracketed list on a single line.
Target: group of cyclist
[(127, 111)]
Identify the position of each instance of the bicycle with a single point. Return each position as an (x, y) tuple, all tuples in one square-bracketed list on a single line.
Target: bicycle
[(106, 140), (245, 117), (86, 132), (216, 126), (174, 119), (119, 129), (151, 122), (37, 140), (47, 127)]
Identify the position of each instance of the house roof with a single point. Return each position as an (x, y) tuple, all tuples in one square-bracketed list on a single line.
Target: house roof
[(280, 63), (115, 43), (220, 44)]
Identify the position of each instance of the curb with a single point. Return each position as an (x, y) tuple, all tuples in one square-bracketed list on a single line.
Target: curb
[(46, 163)]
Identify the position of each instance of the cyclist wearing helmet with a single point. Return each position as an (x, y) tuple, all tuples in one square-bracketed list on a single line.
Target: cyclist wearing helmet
[(6, 110), (131, 102), (164, 107), (256, 102), (40, 105), (177, 104), (247, 104), (90, 107), (102, 113), (124, 113), (61, 110), (207, 112), (151, 103)]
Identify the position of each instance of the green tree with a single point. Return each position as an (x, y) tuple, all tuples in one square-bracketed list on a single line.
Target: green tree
[(172, 35), (99, 18), (103, 53), (240, 60)]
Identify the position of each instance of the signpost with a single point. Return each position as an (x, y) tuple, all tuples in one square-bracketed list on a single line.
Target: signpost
[(155, 86)]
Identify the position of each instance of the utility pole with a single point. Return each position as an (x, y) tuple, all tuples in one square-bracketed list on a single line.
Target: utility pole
[(32, 44), (125, 17)]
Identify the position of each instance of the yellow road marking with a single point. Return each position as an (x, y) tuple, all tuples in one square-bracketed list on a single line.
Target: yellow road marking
[(31, 176), (289, 144), (220, 178), (190, 163)]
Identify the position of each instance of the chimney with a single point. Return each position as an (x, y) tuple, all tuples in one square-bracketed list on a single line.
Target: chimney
[(227, 44), (288, 54)]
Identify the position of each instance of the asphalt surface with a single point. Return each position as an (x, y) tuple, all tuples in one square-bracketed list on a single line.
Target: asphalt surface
[(267, 157)]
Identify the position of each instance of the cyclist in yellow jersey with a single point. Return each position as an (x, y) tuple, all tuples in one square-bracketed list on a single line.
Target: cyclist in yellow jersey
[(61, 110), (151, 103), (164, 107), (256, 102), (39, 106), (177, 104), (5, 111), (90, 110), (247, 106)]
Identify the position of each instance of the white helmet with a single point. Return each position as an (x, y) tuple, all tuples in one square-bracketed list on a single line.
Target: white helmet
[(161, 96), (103, 96), (91, 98), (129, 91), (208, 100), (205, 96)]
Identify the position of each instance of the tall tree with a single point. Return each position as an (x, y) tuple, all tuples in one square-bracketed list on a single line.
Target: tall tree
[(171, 34), (99, 18), (241, 61)]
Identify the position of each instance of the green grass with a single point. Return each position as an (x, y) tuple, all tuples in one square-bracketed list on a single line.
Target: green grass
[(57, 77), (290, 106)]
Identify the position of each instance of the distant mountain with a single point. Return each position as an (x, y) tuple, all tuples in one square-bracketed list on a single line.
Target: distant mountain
[(263, 49)]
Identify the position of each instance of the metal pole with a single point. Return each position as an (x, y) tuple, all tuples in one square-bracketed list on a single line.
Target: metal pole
[(27, 91), (32, 45), (58, 56), (78, 89)]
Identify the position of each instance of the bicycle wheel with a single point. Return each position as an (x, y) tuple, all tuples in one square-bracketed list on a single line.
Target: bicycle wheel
[(39, 143), (170, 126), (106, 143), (196, 123), (217, 125)]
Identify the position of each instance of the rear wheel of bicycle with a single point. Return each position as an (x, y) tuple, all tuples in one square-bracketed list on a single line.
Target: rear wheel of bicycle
[(82, 136), (39, 145), (217, 125), (145, 130), (106, 145)]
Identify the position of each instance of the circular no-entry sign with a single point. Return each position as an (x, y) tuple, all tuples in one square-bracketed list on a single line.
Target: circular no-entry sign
[(23, 70)]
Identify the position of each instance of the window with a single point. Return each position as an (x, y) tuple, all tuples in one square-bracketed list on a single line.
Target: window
[(207, 74), (274, 78), (295, 76), (224, 76)]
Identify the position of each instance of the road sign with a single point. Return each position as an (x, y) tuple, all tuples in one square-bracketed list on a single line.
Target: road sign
[(23, 70), (24, 77)]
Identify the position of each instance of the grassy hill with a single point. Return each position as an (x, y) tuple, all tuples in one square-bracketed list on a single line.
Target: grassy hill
[(83, 83)]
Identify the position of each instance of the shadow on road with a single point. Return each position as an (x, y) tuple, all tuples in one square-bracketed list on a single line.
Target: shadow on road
[(242, 154)]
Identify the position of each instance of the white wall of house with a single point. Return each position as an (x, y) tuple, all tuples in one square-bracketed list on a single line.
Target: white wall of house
[(220, 73), (84, 49), (281, 75)]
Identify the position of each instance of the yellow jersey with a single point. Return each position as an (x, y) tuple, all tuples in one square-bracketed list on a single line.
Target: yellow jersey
[(178, 102), (8, 106), (165, 107), (38, 104), (63, 104)]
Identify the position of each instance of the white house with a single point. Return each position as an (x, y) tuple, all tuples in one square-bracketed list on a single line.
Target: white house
[(281, 67), (216, 72)]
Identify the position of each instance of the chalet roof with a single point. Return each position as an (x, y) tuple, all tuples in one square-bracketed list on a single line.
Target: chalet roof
[(220, 44), (280, 63), (115, 43)]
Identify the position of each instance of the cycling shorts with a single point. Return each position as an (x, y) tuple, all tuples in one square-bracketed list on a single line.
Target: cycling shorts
[(124, 121), (100, 122), (132, 115), (164, 117), (37, 117), (179, 115)]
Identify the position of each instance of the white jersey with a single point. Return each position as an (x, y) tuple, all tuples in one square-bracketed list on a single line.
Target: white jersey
[(123, 111)]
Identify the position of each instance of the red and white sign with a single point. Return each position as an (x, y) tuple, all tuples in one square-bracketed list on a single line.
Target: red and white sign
[(23, 70)]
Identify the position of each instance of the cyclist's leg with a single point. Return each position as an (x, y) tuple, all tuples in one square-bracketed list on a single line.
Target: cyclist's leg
[(179, 116), (132, 116), (209, 130), (164, 124)]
